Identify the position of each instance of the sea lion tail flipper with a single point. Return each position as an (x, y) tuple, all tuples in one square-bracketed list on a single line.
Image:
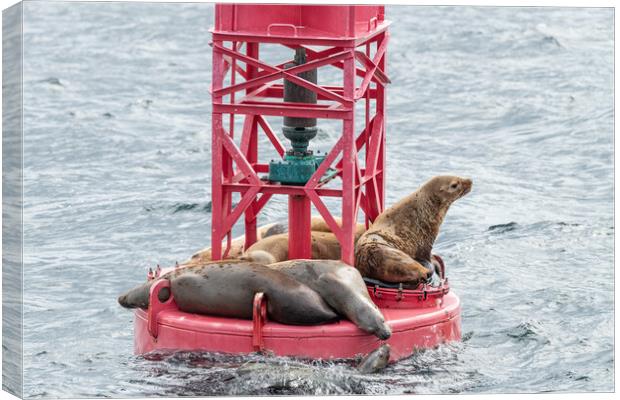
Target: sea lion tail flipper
[(137, 297), (434, 279), (397, 266), (375, 360), (259, 256)]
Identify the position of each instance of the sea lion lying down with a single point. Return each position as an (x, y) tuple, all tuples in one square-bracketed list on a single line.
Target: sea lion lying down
[(325, 245), (227, 288), (298, 292)]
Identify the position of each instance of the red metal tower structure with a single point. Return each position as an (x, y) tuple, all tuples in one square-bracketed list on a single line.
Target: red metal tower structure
[(339, 36), (351, 38)]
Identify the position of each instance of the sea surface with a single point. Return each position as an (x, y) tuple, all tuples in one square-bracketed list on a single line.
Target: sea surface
[(117, 179)]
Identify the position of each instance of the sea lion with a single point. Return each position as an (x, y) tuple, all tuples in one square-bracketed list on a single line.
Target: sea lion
[(325, 246), (236, 244), (294, 370), (227, 288), (274, 249), (317, 224), (376, 360), (275, 228), (343, 288), (397, 247)]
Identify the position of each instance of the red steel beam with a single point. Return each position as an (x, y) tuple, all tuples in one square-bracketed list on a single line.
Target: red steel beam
[(281, 111), (375, 62), (278, 189), (290, 73)]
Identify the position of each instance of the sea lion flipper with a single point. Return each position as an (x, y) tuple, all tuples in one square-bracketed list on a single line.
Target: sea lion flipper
[(392, 265), (434, 279)]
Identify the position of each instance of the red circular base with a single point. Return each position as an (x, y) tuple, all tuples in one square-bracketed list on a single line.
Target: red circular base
[(435, 320)]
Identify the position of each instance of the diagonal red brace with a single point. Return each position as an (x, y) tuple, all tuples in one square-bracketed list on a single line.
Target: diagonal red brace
[(290, 73)]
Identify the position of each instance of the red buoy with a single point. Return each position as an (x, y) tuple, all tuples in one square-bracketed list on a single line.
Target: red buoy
[(353, 39)]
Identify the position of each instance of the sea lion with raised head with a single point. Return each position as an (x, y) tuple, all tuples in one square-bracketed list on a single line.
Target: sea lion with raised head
[(227, 288), (376, 360), (343, 288), (397, 247)]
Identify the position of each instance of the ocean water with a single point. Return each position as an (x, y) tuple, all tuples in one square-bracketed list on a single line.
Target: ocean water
[(116, 180)]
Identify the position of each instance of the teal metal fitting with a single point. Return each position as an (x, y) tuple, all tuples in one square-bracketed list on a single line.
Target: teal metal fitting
[(294, 170)]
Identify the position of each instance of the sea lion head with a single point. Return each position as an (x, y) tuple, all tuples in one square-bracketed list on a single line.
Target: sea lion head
[(375, 360), (446, 189)]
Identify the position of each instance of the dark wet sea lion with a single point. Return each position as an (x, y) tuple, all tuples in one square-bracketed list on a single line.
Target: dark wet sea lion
[(227, 288), (375, 360), (343, 288), (398, 245)]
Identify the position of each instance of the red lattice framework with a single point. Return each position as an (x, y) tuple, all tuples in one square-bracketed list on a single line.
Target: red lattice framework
[(256, 91)]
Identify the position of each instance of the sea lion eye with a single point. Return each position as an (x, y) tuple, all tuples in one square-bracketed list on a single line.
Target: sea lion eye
[(454, 185)]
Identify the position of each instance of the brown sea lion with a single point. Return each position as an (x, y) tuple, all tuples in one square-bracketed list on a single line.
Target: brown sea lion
[(265, 231), (325, 246), (397, 247), (317, 224), (236, 244), (227, 288), (343, 288)]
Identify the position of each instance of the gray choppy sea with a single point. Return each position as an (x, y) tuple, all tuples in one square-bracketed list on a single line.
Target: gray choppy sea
[(116, 180)]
